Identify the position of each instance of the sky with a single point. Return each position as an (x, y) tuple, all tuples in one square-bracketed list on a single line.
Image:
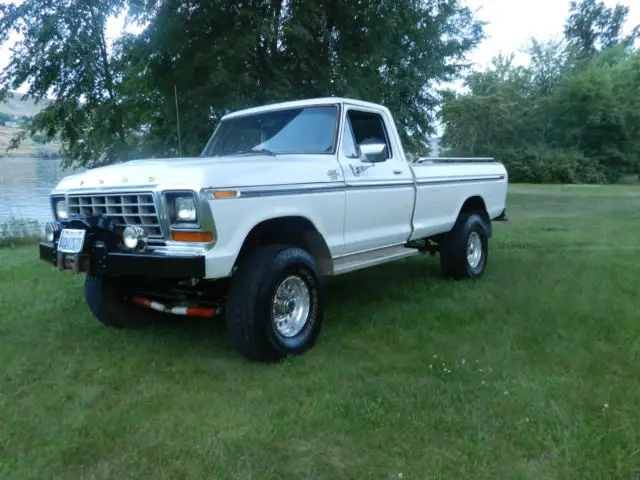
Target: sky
[(510, 24), (513, 22)]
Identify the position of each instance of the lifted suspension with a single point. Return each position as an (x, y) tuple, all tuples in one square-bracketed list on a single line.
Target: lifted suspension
[(425, 245), (206, 312)]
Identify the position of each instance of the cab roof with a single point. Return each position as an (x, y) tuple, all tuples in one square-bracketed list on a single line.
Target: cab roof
[(305, 103)]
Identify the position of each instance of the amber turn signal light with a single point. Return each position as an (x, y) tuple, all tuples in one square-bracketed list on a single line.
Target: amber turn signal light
[(202, 237), (225, 194)]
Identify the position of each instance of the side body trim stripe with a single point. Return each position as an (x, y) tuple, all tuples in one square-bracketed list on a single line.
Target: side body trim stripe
[(283, 190), (279, 190), (445, 181)]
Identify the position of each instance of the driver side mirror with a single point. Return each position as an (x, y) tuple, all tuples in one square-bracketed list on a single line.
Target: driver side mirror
[(373, 152)]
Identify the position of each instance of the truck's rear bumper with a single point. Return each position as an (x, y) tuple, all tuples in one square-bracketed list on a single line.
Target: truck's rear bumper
[(98, 262)]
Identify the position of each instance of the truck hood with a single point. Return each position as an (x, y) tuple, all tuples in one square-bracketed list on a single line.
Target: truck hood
[(207, 172)]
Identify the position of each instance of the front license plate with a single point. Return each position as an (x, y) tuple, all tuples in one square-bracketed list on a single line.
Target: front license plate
[(71, 240)]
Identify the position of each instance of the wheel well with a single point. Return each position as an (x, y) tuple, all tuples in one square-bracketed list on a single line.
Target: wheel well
[(297, 231), (476, 205)]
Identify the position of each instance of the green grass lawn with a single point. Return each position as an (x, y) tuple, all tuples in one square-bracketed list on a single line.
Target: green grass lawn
[(532, 372)]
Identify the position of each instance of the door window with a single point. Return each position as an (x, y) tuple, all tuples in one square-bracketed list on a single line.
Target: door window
[(368, 128), (349, 149)]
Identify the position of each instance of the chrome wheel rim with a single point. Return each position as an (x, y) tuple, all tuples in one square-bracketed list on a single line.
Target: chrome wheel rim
[(474, 250), (291, 306)]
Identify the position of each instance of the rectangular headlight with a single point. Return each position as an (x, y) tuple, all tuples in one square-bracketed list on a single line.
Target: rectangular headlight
[(186, 209), (182, 208), (60, 208)]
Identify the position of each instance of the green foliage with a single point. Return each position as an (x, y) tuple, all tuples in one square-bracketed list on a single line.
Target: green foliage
[(559, 119), (543, 165), (593, 27), (63, 52), (14, 231), (229, 55), (221, 55)]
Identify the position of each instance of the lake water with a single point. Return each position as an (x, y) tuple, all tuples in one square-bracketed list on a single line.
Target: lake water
[(25, 185)]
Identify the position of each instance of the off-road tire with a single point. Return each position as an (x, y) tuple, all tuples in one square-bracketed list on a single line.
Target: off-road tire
[(109, 302), (453, 248), (250, 325)]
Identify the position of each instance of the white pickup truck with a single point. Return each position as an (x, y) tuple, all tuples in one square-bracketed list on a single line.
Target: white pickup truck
[(281, 197)]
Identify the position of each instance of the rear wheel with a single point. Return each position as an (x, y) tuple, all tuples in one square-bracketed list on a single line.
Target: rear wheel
[(111, 303), (275, 303), (464, 251)]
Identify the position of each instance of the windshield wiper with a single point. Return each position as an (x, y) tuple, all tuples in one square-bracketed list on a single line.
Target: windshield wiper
[(259, 151)]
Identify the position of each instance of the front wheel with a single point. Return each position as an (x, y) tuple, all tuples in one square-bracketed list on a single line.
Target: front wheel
[(110, 301), (464, 251), (275, 304)]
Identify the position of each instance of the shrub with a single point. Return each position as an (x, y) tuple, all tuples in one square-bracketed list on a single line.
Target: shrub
[(18, 232), (543, 165)]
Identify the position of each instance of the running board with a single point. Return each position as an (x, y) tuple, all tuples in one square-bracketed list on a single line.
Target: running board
[(359, 261)]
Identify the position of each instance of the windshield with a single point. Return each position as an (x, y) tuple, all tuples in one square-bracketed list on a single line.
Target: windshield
[(296, 130)]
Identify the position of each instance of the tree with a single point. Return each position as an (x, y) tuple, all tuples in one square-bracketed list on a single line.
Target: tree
[(63, 53), (226, 54), (593, 27), (389, 52), (497, 112), (588, 117), (582, 126), (548, 63)]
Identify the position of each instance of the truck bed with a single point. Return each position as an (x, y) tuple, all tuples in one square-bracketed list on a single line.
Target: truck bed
[(444, 184)]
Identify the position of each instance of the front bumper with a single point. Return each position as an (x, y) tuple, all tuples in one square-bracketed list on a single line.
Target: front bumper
[(98, 261)]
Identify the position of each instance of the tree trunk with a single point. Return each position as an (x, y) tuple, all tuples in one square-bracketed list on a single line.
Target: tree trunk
[(332, 17), (117, 127), (276, 7)]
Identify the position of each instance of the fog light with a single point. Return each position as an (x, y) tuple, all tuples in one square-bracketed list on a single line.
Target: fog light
[(135, 237), (51, 231)]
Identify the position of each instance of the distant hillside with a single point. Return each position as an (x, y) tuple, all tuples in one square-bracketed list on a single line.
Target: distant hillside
[(21, 108), (29, 147)]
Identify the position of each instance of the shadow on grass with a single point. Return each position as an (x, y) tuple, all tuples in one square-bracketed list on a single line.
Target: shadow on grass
[(374, 286), (199, 336), (355, 292)]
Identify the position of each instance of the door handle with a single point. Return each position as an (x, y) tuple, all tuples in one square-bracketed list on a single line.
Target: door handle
[(359, 169), (397, 172)]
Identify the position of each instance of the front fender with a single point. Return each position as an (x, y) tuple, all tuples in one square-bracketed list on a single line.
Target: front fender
[(236, 217)]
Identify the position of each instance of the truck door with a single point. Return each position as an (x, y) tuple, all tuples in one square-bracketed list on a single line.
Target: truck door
[(379, 196)]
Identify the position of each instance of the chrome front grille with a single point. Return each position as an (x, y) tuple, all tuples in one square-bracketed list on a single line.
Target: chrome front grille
[(136, 208)]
